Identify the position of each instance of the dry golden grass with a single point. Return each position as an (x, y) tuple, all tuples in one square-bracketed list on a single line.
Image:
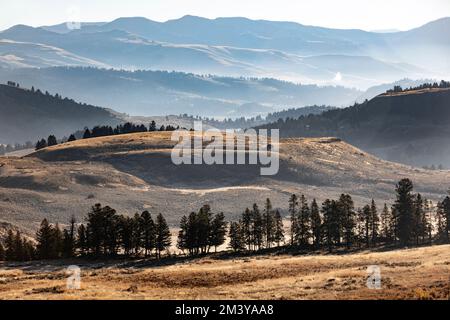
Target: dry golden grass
[(406, 274)]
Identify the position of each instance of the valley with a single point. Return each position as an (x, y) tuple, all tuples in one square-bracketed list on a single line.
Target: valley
[(134, 172)]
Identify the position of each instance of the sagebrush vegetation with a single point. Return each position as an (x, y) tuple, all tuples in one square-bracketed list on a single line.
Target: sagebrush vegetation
[(411, 221)]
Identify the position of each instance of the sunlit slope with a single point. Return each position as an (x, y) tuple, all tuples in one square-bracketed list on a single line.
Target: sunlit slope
[(134, 172)]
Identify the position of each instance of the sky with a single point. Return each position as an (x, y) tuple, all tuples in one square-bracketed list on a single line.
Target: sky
[(346, 14)]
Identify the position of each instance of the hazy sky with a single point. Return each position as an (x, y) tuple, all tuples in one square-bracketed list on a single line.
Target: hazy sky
[(362, 14)]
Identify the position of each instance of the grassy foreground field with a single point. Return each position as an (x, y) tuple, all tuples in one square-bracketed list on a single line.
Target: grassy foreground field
[(422, 273)]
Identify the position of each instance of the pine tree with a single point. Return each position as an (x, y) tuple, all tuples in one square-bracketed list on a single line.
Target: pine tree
[(329, 217), (365, 219), (374, 223), (236, 237), (203, 229), (386, 226), (419, 227), (67, 245), (304, 223), (182, 242), (347, 218), (72, 138), (441, 224), (268, 224), (427, 222), (279, 229), (218, 231), (58, 242), (404, 206), (316, 224), (18, 247), (45, 241), (163, 236), (41, 144), (137, 234), (126, 226), (293, 208), (10, 252), (247, 228), (258, 231), (51, 141), (81, 242), (29, 251), (148, 232), (87, 134), (69, 240)]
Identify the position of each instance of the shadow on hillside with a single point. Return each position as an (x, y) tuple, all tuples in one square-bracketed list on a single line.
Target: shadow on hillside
[(139, 263)]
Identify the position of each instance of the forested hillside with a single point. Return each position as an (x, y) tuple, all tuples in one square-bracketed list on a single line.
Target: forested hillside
[(27, 114), (409, 126)]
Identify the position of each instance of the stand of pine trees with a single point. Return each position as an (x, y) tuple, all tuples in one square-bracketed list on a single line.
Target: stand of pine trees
[(336, 224), (103, 131)]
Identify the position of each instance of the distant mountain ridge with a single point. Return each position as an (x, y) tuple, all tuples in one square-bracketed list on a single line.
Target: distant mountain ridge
[(244, 47)]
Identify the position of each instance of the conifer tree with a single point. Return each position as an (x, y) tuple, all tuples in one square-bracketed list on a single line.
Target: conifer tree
[(269, 224), (247, 228), (374, 223), (236, 237), (329, 222), (441, 224), (51, 141), (182, 241), (316, 224), (279, 229), (258, 227), (348, 218), (304, 223), (365, 219), (162, 235), (81, 242), (293, 209), (45, 241), (404, 207), (386, 231), (137, 235), (10, 252), (58, 242), (148, 232), (18, 247), (218, 231)]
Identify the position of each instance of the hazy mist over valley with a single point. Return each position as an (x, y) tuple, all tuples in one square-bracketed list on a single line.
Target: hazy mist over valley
[(160, 150)]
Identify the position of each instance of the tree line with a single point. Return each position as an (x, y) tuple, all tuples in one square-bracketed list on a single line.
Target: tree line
[(335, 224), (104, 131), (441, 85)]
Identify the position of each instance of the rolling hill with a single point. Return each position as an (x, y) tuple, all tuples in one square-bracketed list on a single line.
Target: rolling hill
[(134, 172), (409, 127), (27, 115)]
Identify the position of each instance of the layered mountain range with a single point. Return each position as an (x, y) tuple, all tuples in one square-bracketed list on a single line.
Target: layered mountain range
[(236, 47)]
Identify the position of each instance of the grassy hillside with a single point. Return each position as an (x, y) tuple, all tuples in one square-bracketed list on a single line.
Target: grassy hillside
[(405, 274), (132, 173)]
